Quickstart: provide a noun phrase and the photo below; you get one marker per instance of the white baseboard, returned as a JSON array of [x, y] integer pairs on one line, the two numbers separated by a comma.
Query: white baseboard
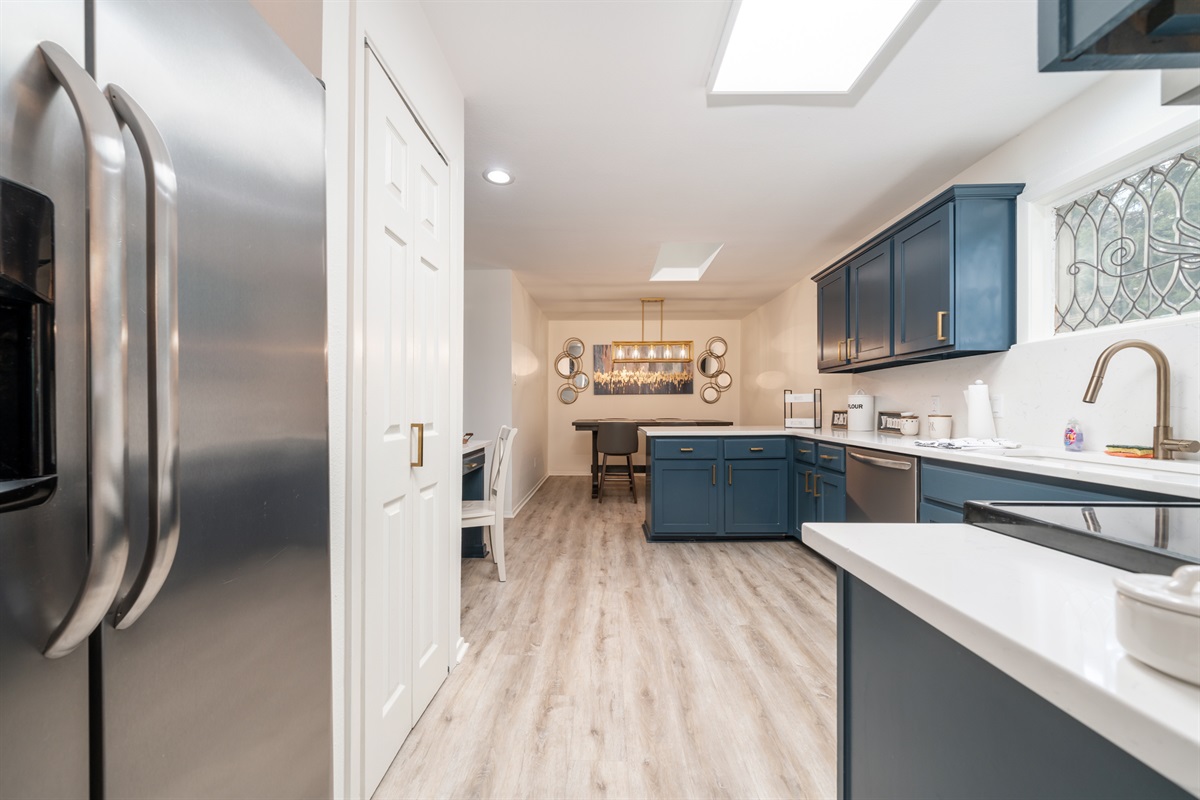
[[526, 498]]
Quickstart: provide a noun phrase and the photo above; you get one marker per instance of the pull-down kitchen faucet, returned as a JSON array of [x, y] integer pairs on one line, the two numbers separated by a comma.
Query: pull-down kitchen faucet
[[1164, 446]]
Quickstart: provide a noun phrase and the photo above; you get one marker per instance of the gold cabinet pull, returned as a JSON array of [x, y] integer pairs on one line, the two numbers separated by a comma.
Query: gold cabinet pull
[[730, 474], [686, 449], [419, 428], [841, 347], [941, 321], [851, 349], [805, 452], [816, 483], [828, 458], [756, 449], [714, 466], [808, 481]]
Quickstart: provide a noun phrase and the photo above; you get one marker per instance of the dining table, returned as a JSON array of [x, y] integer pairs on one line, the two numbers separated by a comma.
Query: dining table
[[593, 425]]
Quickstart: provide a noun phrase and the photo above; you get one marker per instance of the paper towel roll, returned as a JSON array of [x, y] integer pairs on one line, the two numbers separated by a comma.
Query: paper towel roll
[[980, 422], [860, 412]]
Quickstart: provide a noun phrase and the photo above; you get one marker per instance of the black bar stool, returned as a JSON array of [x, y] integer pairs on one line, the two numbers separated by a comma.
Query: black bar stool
[[616, 439]]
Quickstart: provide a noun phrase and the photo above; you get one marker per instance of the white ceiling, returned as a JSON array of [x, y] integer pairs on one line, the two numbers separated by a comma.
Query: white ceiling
[[599, 109]]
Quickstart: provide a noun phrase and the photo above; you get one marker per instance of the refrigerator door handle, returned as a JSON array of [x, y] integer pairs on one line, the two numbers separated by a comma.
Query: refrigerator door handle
[[162, 248], [106, 353]]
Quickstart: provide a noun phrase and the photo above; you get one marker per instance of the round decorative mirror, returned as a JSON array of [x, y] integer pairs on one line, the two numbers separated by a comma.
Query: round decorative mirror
[[567, 393], [580, 381], [709, 365], [717, 346], [573, 347], [723, 380], [566, 366], [709, 393]]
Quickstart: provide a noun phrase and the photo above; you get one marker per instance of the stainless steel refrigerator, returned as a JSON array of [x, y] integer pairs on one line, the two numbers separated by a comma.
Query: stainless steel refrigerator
[[164, 564]]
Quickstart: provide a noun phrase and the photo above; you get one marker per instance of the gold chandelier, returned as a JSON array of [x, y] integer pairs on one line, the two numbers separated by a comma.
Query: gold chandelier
[[654, 352]]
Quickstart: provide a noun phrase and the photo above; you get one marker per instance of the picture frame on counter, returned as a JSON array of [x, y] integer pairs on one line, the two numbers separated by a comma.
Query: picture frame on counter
[[840, 420], [889, 422]]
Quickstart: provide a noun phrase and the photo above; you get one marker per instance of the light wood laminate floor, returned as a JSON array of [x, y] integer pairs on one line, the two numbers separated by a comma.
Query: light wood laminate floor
[[610, 667]]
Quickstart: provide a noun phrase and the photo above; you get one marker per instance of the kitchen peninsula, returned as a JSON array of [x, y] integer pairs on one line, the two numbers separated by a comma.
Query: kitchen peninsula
[[974, 664], [593, 425]]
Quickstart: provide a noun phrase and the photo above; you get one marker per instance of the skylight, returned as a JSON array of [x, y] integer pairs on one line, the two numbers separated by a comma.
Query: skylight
[[684, 261], [793, 46]]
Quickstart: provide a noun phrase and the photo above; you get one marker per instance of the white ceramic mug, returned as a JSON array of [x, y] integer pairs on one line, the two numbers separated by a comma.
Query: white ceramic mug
[[910, 426], [940, 426]]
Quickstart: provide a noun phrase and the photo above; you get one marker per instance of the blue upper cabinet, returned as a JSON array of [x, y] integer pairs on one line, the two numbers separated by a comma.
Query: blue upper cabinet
[[940, 283], [871, 305], [1118, 34], [925, 282], [832, 320]]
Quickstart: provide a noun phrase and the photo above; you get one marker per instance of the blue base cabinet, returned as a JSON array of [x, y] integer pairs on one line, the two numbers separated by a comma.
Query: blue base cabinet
[[717, 487], [818, 484]]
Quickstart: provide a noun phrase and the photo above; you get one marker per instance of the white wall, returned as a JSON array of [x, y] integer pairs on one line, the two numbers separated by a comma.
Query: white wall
[[300, 24], [505, 364], [529, 376], [404, 41], [570, 452], [487, 352], [1113, 128]]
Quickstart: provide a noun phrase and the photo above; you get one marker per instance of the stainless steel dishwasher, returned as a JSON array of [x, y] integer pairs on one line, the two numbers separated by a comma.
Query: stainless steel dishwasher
[[880, 486]]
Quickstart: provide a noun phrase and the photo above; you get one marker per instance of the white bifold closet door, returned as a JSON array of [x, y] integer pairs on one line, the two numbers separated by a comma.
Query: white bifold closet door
[[406, 377]]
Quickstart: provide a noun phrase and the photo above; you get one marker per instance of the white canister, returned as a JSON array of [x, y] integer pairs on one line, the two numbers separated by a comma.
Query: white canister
[[860, 412], [910, 426], [941, 426]]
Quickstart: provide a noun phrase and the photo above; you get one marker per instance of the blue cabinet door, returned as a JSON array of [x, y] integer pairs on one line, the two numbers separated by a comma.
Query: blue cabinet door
[[924, 283], [871, 304], [829, 488], [756, 496], [832, 322], [687, 497], [803, 507]]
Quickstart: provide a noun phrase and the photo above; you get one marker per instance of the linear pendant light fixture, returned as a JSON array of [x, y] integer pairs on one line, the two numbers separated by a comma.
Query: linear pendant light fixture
[[804, 46], [653, 352]]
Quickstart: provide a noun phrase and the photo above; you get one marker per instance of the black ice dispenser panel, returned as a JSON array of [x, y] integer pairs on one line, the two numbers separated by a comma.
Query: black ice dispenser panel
[[27, 474]]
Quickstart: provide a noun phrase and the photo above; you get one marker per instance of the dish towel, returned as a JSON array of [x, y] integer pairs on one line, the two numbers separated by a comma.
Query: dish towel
[[967, 444]]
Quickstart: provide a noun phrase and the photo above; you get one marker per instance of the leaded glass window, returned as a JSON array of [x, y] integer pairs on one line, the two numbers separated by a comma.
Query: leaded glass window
[[1130, 250]]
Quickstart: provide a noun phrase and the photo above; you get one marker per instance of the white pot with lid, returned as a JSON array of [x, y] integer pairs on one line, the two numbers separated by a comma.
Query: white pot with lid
[[1158, 621]]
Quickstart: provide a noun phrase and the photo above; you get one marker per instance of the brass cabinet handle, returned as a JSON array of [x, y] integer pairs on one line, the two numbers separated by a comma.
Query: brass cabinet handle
[[941, 319], [851, 350], [816, 483], [472, 465], [841, 346], [419, 427], [828, 458], [685, 449], [714, 466], [730, 474], [805, 452], [807, 481], [756, 449]]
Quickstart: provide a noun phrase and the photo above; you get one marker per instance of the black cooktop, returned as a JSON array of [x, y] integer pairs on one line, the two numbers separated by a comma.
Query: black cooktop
[[1140, 537]]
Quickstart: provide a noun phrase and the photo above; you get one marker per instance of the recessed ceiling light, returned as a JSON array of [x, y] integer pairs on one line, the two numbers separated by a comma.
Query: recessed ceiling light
[[794, 46], [500, 177]]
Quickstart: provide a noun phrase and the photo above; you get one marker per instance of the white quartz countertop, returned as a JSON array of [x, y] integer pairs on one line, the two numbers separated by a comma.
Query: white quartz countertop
[[475, 444], [1044, 617], [1179, 478]]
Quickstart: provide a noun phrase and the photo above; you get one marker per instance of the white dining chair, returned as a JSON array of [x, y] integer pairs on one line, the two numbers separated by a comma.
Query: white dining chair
[[489, 512]]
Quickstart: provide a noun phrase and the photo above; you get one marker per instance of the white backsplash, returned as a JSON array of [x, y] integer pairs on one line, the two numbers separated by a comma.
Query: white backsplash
[[1042, 384]]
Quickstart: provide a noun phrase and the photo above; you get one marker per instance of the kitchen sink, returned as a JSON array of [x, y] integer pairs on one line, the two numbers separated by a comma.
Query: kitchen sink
[[1066, 459]]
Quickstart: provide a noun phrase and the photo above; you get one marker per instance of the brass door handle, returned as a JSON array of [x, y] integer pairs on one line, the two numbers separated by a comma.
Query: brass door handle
[[808, 481], [816, 483], [714, 466], [685, 449], [756, 449], [419, 427], [941, 320], [730, 466]]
